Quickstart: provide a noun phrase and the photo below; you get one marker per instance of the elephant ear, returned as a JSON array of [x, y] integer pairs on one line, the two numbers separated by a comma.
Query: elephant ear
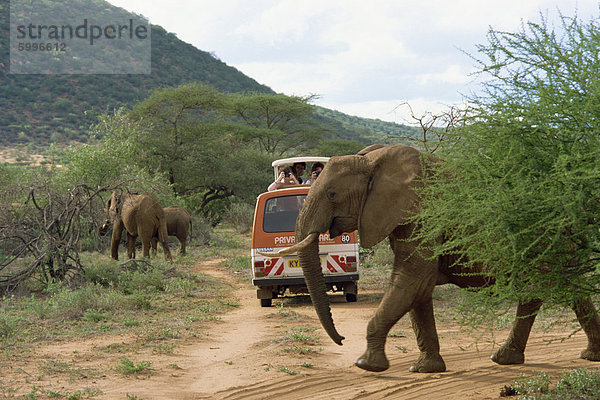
[[113, 203], [391, 196], [369, 149]]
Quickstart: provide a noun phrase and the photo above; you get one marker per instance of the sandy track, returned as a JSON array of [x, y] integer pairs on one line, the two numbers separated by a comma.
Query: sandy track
[[241, 358]]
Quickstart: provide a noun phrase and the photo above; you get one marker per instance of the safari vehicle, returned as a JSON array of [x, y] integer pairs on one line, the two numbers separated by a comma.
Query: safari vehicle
[[274, 222]]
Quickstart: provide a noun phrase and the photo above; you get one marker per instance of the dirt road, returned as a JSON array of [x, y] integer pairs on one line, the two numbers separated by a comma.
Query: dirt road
[[250, 354]]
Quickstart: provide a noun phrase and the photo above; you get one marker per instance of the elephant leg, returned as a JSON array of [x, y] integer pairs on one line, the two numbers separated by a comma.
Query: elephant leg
[[407, 288], [590, 322], [513, 350], [423, 323], [181, 245], [154, 246], [115, 240], [130, 246], [146, 247]]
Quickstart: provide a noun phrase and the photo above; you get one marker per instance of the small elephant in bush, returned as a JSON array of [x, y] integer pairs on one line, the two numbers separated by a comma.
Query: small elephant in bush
[[179, 224]]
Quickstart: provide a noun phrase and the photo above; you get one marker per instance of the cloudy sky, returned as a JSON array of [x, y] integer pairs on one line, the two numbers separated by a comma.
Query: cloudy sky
[[361, 57]]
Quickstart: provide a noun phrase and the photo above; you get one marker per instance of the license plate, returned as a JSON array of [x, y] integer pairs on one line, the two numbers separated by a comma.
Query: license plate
[[296, 263]]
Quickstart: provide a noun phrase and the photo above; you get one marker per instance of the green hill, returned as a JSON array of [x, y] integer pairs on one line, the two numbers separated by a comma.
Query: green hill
[[43, 109], [366, 130]]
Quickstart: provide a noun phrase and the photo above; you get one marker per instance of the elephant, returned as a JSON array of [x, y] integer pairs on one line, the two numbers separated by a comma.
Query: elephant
[[376, 192], [141, 215], [179, 224]]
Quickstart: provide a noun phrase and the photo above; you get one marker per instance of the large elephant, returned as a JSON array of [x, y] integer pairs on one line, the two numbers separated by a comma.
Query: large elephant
[[141, 215], [374, 192], [179, 224]]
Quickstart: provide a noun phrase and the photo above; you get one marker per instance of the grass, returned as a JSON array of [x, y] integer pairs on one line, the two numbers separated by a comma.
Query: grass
[[157, 306], [375, 267], [239, 266], [128, 367], [578, 384], [110, 299], [300, 340], [288, 371], [54, 367]]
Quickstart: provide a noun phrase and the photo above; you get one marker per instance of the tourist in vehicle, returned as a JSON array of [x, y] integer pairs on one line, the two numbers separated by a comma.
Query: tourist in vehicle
[[298, 169], [286, 177], [315, 171]]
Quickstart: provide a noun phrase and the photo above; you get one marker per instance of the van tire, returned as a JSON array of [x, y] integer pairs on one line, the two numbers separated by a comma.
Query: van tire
[[266, 302], [351, 297]]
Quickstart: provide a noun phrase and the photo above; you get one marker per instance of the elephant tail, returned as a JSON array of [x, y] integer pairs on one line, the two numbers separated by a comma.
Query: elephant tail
[[162, 230], [189, 238]]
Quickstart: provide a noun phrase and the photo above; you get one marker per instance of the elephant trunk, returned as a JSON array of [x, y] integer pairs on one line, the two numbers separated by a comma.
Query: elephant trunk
[[313, 275]]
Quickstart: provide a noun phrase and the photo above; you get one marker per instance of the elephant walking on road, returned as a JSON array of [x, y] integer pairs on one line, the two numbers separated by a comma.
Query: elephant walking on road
[[179, 224], [375, 192], [140, 215]]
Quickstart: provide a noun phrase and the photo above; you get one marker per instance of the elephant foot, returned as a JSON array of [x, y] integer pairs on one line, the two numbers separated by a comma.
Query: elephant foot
[[428, 363], [507, 355], [590, 355], [373, 360]]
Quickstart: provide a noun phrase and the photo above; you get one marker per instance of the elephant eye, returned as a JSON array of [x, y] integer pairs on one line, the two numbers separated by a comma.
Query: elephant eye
[[330, 194]]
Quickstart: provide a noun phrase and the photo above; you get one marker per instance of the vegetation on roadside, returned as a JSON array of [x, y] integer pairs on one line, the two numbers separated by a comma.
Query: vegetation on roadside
[[157, 302], [517, 191], [580, 384]]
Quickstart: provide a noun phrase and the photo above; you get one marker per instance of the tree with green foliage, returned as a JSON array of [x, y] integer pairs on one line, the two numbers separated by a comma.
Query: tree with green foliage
[[111, 159], [283, 123], [175, 118], [190, 137], [337, 147], [519, 187]]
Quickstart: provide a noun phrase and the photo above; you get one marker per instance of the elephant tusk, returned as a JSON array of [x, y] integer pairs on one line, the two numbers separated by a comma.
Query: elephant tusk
[[289, 250]]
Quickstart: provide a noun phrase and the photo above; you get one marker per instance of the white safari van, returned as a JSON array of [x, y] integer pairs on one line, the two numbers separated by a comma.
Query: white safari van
[[273, 229]]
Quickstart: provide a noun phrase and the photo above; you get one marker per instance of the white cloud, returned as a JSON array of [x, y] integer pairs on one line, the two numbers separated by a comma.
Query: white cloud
[[452, 74], [360, 56], [400, 111]]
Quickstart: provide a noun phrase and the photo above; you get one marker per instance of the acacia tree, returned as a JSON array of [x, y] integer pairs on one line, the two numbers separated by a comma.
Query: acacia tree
[[519, 188], [213, 145], [172, 116], [283, 123]]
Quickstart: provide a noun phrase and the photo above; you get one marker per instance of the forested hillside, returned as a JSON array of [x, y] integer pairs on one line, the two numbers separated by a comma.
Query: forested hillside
[[43, 109], [51, 108], [366, 130]]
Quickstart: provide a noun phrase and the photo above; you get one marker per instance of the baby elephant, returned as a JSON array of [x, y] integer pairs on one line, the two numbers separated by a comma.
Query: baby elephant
[[179, 224]]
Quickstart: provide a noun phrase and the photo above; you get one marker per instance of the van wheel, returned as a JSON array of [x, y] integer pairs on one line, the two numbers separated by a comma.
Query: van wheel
[[266, 302], [350, 297]]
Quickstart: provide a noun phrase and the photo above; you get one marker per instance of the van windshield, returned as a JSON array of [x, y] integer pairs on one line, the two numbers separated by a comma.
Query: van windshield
[[281, 213]]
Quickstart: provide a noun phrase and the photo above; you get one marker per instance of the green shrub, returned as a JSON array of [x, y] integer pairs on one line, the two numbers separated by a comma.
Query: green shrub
[[9, 325], [579, 384], [103, 274], [73, 304], [240, 216], [153, 280], [376, 265], [141, 300], [128, 367], [532, 385], [202, 231]]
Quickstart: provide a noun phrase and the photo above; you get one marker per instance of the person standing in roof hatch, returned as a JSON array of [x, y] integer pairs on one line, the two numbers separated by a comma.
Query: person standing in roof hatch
[[285, 178], [315, 171], [298, 169]]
